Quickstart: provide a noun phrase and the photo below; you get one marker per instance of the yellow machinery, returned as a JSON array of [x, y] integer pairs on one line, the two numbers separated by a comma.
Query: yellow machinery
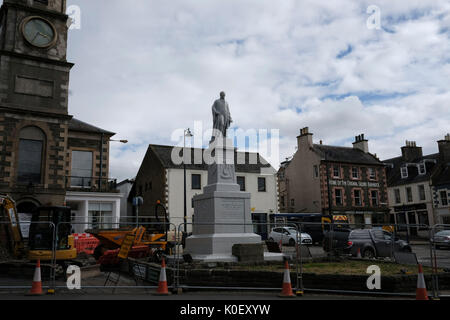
[[42, 233], [11, 228]]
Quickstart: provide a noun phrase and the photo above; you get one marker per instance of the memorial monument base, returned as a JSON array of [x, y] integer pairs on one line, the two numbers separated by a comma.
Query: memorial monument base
[[222, 215]]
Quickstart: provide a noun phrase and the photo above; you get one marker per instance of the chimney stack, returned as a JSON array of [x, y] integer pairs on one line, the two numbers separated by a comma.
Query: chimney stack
[[361, 143], [305, 140], [411, 151], [444, 149]]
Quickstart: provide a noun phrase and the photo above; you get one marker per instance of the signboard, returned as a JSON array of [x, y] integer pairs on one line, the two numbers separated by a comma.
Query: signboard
[[126, 246], [354, 183]]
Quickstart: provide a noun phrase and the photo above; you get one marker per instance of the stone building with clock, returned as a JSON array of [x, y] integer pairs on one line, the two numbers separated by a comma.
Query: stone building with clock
[[46, 156]]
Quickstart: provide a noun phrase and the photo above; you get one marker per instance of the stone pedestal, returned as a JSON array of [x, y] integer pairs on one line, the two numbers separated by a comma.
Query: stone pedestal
[[222, 215]]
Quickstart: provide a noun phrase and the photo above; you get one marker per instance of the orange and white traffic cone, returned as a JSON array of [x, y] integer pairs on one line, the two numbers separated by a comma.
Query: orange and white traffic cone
[[358, 255], [162, 286], [287, 287], [36, 287], [421, 291]]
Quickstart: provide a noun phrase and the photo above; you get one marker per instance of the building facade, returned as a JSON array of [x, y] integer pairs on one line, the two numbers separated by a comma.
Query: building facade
[[126, 208], [159, 179], [410, 188], [441, 184], [45, 154], [334, 180]]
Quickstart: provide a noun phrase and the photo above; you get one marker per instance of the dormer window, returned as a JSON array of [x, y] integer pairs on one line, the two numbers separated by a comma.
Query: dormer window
[[422, 168], [404, 172]]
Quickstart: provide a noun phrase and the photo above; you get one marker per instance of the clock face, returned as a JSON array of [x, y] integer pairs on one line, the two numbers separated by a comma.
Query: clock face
[[39, 32]]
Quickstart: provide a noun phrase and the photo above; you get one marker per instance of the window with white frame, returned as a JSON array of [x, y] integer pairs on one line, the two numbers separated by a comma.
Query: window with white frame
[[422, 168], [372, 174], [81, 169], [338, 197], [374, 197], [357, 197], [421, 189], [336, 171], [316, 171], [404, 172], [355, 173], [101, 216], [398, 198], [409, 195], [444, 199]]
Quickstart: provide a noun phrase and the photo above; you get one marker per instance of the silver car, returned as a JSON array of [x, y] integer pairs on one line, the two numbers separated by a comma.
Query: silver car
[[441, 239], [289, 236]]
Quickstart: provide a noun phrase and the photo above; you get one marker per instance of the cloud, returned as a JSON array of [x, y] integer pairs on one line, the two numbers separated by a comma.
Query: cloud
[[146, 68]]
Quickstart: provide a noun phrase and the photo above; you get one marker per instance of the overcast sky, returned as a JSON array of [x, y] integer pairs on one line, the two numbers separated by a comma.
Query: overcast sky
[[144, 68]]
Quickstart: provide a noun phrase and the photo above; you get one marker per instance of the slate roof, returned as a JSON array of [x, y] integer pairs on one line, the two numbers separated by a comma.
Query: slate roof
[[345, 155], [394, 177], [164, 153], [443, 177], [78, 125]]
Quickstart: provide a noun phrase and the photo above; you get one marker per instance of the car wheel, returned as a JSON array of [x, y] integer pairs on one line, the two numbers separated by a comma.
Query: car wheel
[[368, 254], [271, 240], [291, 242], [407, 250]]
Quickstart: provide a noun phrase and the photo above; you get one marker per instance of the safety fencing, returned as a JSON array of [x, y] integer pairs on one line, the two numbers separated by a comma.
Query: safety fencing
[[12, 271], [333, 258]]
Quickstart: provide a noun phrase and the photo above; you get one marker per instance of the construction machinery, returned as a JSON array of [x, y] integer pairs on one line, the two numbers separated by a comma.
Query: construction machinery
[[42, 233], [150, 241]]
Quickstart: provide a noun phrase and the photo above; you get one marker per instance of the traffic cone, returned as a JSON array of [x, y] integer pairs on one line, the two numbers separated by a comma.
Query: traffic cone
[[36, 287], [162, 286], [287, 287], [358, 255], [421, 291]]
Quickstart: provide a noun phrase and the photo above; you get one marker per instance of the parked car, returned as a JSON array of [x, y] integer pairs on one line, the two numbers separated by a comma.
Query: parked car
[[441, 239], [336, 239], [375, 243], [289, 236]]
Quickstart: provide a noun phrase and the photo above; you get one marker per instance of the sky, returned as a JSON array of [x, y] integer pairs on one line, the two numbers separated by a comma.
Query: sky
[[147, 68]]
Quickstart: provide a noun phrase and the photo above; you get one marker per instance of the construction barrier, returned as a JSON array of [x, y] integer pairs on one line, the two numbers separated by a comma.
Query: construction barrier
[[85, 242], [348, 263]]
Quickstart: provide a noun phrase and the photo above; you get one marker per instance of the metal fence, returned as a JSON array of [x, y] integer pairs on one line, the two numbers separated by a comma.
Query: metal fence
[[52, 265], [323, 258]]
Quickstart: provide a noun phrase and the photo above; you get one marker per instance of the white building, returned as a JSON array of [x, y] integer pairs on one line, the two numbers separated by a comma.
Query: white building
[[126, 208], [159, 179]]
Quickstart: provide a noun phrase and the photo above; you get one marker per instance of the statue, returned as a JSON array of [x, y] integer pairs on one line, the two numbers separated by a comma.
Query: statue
[[221, 117]]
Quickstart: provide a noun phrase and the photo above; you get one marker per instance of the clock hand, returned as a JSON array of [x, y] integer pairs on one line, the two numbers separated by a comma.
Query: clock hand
[[44, 35], [37, 33]]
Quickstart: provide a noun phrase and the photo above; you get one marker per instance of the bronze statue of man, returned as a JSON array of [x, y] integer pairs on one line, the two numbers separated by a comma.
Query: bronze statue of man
[[221, 117]]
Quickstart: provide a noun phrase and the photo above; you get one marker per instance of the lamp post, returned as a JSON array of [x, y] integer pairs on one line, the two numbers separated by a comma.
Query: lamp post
[[101, 157], [187, 133]]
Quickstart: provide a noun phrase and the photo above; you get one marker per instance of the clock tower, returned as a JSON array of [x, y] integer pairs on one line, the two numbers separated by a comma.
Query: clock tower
[[34, 84]]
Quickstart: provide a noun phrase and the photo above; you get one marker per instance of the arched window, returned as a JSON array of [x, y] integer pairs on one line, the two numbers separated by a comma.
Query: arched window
[[31, 149]]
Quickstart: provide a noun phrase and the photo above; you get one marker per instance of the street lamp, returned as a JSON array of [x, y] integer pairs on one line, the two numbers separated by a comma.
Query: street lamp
[[101, 158], [187, 133]]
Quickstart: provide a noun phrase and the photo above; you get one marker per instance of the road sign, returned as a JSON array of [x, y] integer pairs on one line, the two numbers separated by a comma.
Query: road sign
[[126, 246]]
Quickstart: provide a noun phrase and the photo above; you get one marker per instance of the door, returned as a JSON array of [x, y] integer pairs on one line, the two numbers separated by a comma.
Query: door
[[383, 244], [412, 221], [286, 236], [276, 234]]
